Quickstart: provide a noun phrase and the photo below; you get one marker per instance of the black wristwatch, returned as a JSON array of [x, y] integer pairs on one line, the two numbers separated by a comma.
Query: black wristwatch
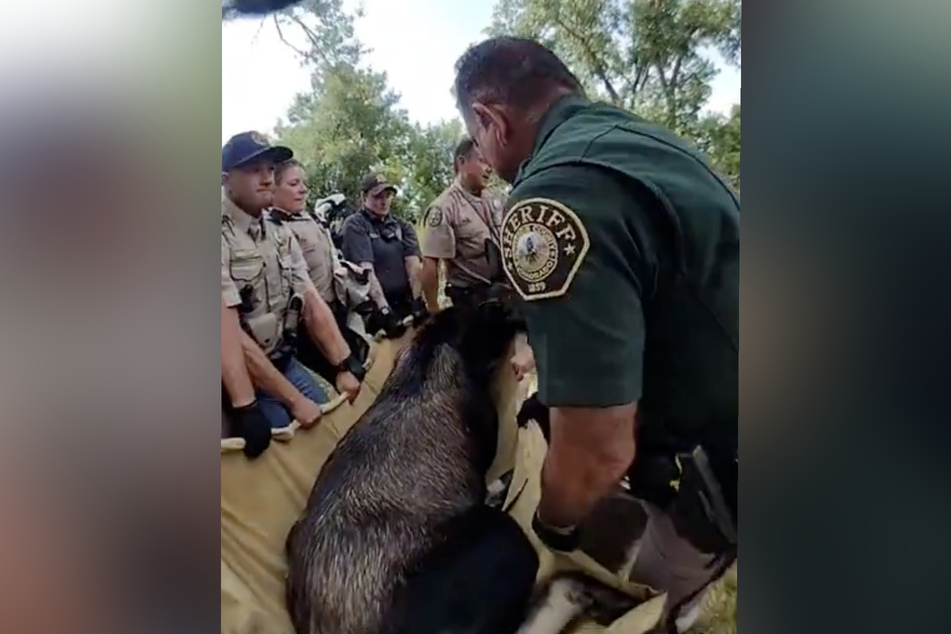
[[560, 540], [352, 365]]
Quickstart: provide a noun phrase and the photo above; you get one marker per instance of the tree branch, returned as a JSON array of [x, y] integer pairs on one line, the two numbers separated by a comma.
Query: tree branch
[[641, 73], [280, 34], [316, 53], [598, 67]]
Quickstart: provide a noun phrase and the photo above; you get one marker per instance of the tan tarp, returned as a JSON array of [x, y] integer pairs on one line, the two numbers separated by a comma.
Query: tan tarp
[[261, 499]]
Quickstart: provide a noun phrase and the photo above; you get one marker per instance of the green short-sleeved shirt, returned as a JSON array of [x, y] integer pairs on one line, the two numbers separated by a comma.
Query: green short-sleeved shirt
[[624, 246]]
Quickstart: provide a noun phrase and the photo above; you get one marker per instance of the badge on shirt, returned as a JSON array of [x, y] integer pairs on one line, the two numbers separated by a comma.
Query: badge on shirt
[[543, 246], [434, 217]]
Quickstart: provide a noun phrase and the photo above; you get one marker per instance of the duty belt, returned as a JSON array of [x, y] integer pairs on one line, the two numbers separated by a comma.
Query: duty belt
[[685, 486]]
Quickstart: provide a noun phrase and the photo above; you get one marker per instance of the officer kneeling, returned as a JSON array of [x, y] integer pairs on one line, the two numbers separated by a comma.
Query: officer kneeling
[[264, 279]]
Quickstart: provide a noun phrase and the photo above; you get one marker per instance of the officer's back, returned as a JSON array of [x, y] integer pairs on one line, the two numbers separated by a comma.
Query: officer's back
[[684, 254]]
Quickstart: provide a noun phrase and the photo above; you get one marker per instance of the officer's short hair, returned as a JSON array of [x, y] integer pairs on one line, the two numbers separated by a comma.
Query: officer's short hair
[[514, 71], [282, 167], [463, 150]]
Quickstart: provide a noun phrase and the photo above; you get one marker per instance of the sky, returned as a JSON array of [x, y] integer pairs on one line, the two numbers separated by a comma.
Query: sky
[[416, 42]]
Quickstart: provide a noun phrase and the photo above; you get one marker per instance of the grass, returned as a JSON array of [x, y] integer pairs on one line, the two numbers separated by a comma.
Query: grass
[[719, 610]]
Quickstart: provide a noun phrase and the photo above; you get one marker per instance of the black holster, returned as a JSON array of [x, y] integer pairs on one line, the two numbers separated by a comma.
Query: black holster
[[281, 356], [685, 486]]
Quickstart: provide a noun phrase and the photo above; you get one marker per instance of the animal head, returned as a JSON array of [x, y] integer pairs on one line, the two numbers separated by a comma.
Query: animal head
[[480, 333]]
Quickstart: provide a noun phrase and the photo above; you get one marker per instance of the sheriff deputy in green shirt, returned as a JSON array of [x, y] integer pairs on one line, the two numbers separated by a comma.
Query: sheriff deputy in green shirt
[[624, 246]]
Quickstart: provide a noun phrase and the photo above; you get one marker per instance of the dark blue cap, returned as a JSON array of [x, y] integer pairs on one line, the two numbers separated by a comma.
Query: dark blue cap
[[246, 147]]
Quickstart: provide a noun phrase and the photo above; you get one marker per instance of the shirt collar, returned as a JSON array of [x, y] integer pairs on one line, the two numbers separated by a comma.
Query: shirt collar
[[465, 192], [284, 214], [241, 219], [372, 217], [559, 112]]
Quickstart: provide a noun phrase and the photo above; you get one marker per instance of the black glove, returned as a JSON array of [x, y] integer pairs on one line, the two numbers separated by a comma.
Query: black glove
[[249, 423], [352, 365], [387, 321], [418, 311], [533, 409]]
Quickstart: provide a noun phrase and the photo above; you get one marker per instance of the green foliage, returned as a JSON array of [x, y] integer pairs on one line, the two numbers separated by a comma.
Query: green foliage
[[654, 57], [651, 56], [351, 123], [719, 137]]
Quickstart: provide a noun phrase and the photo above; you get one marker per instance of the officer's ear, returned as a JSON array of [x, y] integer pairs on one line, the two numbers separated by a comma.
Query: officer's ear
[[224, 179], [494, 119]]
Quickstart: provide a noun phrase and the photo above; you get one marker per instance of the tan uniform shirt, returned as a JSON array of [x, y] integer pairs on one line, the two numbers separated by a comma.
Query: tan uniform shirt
[[317, 248], [456, 226], [261, 259]]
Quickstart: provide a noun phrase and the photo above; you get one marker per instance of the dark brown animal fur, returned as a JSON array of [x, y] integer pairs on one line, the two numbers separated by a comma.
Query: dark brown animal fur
[[415, 462]]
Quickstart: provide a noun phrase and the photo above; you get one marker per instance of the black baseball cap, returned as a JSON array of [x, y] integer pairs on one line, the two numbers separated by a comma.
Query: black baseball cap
[[373, 184], [245, 147]]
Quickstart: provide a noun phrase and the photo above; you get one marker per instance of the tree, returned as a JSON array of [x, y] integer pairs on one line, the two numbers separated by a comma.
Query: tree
[[637, 54], [654, 57], [351, 126], [427, 163], [719, 137], [350, 122]]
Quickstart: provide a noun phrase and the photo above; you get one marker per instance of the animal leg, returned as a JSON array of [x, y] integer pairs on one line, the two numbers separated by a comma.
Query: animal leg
[[479, 581], [570, 597]]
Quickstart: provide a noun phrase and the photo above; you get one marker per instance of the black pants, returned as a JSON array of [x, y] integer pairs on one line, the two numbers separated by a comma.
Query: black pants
[[399, 302], [310, 355], [472, 295]]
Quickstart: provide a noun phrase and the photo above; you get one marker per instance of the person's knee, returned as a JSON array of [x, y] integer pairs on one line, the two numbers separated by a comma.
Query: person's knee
[[305, 382]]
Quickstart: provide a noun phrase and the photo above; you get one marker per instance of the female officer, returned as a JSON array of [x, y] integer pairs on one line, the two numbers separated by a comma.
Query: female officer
[[329, 274]]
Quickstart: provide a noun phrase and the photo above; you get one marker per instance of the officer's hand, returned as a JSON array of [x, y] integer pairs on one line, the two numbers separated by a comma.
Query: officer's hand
[[348, 384], [249, 423], [523, 361], [533, 409], [418, 311], [306, 412]]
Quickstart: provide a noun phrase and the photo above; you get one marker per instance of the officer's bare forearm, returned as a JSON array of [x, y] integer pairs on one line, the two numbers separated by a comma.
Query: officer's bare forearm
[[234, 371], [413, 266], [265, 376], [521, 343], [590, 451], [376, 290], [429, 280]]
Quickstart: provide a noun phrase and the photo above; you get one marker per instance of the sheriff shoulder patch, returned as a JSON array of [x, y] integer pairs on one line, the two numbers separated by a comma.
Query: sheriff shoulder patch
[[434, 217], [543, 246]]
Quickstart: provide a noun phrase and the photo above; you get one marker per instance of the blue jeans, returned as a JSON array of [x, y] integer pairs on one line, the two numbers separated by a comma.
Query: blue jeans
[[276, 412]]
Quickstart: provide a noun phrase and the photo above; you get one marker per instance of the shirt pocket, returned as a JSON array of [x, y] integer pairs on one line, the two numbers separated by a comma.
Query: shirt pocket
[[247, 266], [284, 275], [470, 238], [314, 256], [247, 272]]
